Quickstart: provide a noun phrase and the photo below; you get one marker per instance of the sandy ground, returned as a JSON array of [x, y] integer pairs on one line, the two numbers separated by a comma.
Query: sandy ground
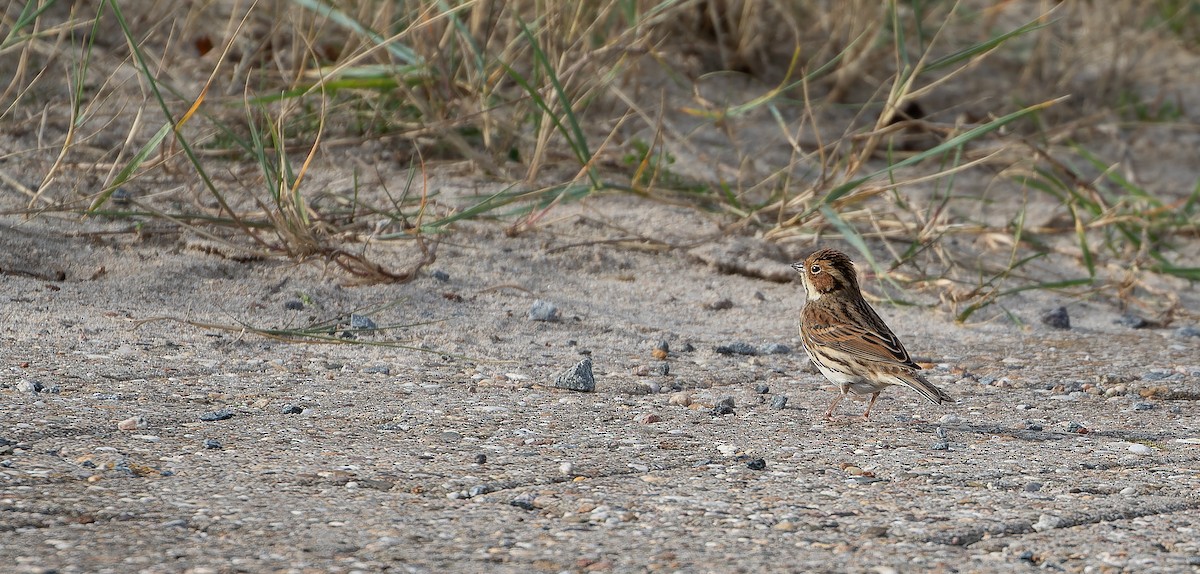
[[1073, 450]]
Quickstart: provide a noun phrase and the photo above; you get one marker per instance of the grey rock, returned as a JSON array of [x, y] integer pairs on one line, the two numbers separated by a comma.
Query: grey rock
[[756, 464], [220, 415], [661, 368], [736, 348], [361, 322], [723, 406], [28, 386], [378, 370], [440, 275], [662, 346], [543, 311], [1142, 406], [779, 402], [577, 378], [1057, 318], [762, 389], [1187, 331], [290, 409], [1132, 321], [775, 349], [212, 444], [293, 305], [479, 490]]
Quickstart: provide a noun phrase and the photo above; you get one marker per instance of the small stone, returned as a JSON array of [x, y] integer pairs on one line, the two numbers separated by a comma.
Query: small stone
[[566, 469], [524, 502], [479, 490], [1046, 522], [133, 423], [1132, 321], [762, 389], [28, 386], [779, 402], [852, 470], [688, 348], [361, 322], [723, 406], [220, 415], [212, 444], [1140, 449], [577, 378], [293, 305], [756, 464], [736, 348], [1032, 486], [1157, 375], [784, 526], [291, 409], [1143, 406], [649, 418], [1187, 331], [378, 370], [440, 275], [721, 305], [1057, 318], [543, 311], [1033, 426], [481, 458], [661, 368], [682, 398], [775, 349]]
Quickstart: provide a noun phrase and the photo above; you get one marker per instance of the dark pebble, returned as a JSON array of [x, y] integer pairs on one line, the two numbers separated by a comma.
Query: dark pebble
[[440, 275], [1057, 318], [762, 389], [1033, 486], [1143, 406], [723, 406], [220, 415], [212, 444], [378, 370], [1132, 321], [106, 396], [30, 386], [361, 322], [479, 490], [1027, 556], [721, 305], [577, 378], [543, 311], [662, 346], [756, 464], [481, 459], [776, 349], [1187, 331], [687, 348], [661, 368], [1033, 426], [779, 402], [524, 502], [1157, 375], [942, 443], [293, 304], [291, 410], [1075, 427], [736, 348]]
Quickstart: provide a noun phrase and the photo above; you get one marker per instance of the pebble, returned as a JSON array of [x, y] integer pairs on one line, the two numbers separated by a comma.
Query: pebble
[[650, 418], [779, 402], [543, 311], [661, 368], [566, 469], [1140, 449], [1187, 331], [1057, 318], [723, 406], [1143, 406], [1033, 426], [1047, 522], [756, 464], [682, 398], [721, 305], [942, 442], [133, 423], [726, 449], [293, 305], [688, 348], [577, 378], [223, 414], [1032, 486], [762, 389], [378, 370], [1116, 391], [481, 459], [440, 275], [28, 386], [291, 409], [775, 349], [1132, 321], [1157, 375], [736, 348], [361, 322], [478, 490], [524, 502], [212, 444]]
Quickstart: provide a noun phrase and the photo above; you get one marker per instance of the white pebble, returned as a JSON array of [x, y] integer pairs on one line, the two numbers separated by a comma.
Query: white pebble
[[566, 469], [1140, 449]]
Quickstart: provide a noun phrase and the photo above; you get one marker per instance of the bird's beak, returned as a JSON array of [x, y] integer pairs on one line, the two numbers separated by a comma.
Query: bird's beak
[[798, 266]]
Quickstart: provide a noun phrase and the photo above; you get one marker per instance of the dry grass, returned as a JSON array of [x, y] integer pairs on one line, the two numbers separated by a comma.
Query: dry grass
[[871, 115]]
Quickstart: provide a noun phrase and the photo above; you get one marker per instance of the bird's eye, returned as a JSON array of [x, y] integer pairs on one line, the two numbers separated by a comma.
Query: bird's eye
[[814, 269]]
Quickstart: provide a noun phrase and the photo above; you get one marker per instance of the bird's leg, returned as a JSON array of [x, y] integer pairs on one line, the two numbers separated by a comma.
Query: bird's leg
[[867, 415], [836, 400]]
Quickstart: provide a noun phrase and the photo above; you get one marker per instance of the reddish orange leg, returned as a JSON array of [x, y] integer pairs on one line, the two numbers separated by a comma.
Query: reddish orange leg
[[867, 415], [833, 405]]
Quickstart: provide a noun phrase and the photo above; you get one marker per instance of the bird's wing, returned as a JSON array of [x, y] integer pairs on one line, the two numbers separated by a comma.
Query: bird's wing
[[867, 344]]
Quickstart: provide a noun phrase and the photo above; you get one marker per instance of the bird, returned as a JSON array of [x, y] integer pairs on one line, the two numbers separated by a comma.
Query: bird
[[847, 340]]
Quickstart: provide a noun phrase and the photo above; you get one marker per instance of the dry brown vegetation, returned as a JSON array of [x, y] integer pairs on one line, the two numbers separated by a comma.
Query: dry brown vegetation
[[921, 133]]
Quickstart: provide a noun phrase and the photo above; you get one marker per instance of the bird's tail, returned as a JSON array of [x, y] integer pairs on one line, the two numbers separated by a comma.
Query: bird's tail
[[916, 382]]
